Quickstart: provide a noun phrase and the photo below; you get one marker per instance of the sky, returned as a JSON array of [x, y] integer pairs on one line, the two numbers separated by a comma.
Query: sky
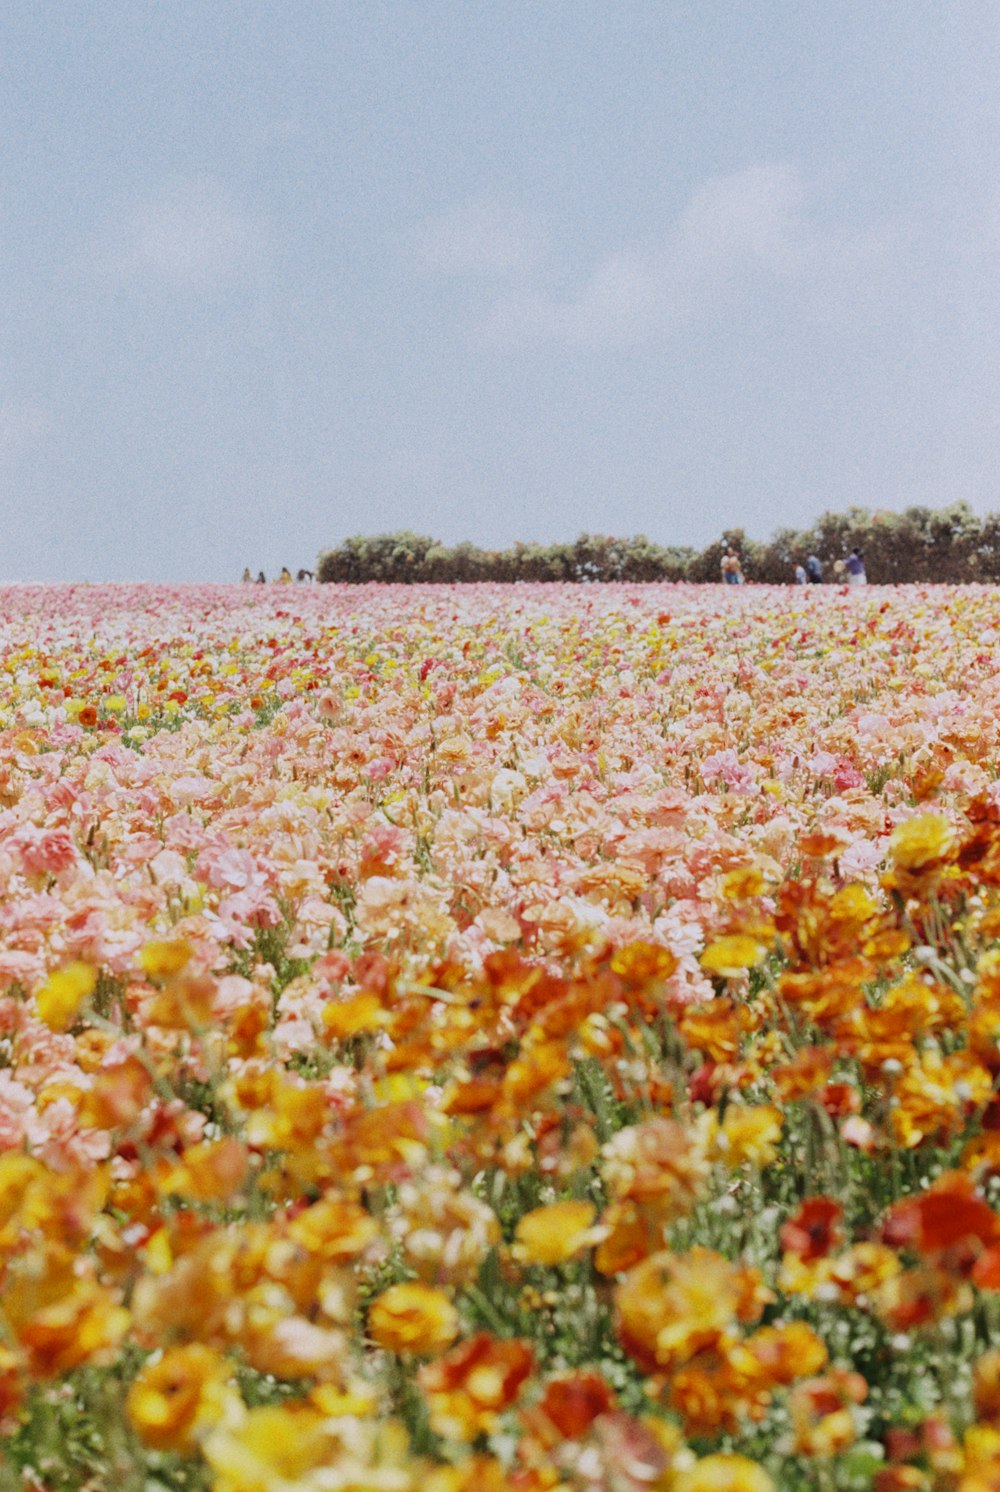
[[277, 274]]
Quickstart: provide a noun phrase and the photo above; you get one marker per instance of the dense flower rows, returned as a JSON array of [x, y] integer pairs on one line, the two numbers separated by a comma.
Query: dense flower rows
[[527, 1038]]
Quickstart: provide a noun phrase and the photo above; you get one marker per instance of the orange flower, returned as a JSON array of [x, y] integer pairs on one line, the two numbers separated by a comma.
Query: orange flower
[[553, 1234], [935, 1096], [813, 1231], [363, 1011], [335, 1229], [413, 1319], [827, 995], [468, 1389], [296, 1114], [178, 1396], [119, 1094], [745, 881], [674, 1305], [570, 1404], [716, 1029], [818, 844], [947, 1215], [807, 1073], [658, 1163], [210, 1172], [916, 1297], [821, 1409], [59, 1313], [787, 1352], [986, 1386], [863, 1269], [642, 963], [12, 1385], [719, 1391], [531, 1074]]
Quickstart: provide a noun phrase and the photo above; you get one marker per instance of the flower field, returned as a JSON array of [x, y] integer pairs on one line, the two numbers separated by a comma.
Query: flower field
[[471, 1039]]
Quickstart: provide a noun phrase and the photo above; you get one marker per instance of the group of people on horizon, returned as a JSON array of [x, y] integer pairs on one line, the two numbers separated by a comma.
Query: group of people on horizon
[[851, 569], [285, 577]]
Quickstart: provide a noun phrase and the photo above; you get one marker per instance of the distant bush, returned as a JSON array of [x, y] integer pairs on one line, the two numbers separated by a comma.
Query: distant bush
[[408, 558], [921, 544]]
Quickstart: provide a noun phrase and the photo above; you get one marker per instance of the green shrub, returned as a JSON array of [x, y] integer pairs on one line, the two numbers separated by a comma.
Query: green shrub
[[949, 545]]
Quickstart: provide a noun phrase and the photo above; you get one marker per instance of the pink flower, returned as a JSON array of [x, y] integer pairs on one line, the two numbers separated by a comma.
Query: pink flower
[[44, 851]]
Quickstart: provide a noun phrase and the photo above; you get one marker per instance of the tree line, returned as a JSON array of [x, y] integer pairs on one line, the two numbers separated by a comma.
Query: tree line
[[950, 545]]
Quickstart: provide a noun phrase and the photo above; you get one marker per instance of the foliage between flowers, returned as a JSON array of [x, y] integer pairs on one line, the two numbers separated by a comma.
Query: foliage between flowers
[[918, 545], [506, 1039]]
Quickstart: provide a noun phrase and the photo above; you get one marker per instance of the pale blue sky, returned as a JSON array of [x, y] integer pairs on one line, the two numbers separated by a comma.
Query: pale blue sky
[[274, 274]]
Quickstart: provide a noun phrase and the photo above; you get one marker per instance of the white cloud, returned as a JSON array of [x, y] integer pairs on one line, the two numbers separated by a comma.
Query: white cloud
[[753, 217], [735, 234], [480, 236], [190, 233]]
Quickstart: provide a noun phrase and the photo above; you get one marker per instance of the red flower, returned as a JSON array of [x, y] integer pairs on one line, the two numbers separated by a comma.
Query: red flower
[[813, 1231]]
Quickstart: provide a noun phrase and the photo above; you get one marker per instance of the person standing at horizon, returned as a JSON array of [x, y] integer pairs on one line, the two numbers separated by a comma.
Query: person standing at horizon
[[855, 567]]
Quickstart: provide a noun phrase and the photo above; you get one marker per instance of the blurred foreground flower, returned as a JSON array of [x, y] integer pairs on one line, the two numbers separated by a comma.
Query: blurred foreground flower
[[413, 1318], [552, 1234], [60, 998], [180, 1395]]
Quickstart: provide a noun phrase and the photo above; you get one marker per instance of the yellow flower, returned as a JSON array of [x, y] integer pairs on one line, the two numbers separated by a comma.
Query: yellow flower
[[672, 1306], [724, 1474], [744, 881], [59, 1313], [163, 958], [361, 1012], [211, 1171], [19, 1174], [358, 1400], [731, 955], [749, 1133], [553, 1234], [60, 997], [301, 1448], [334, 1228], [276, 1446], [921, 844], [178, 1396], [413, 1318]]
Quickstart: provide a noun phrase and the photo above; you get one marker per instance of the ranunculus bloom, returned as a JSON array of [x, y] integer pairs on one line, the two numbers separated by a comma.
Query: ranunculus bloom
[[922, 843], [724, 1474], [178, 1396], [413, 1318], [553, 1234]]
